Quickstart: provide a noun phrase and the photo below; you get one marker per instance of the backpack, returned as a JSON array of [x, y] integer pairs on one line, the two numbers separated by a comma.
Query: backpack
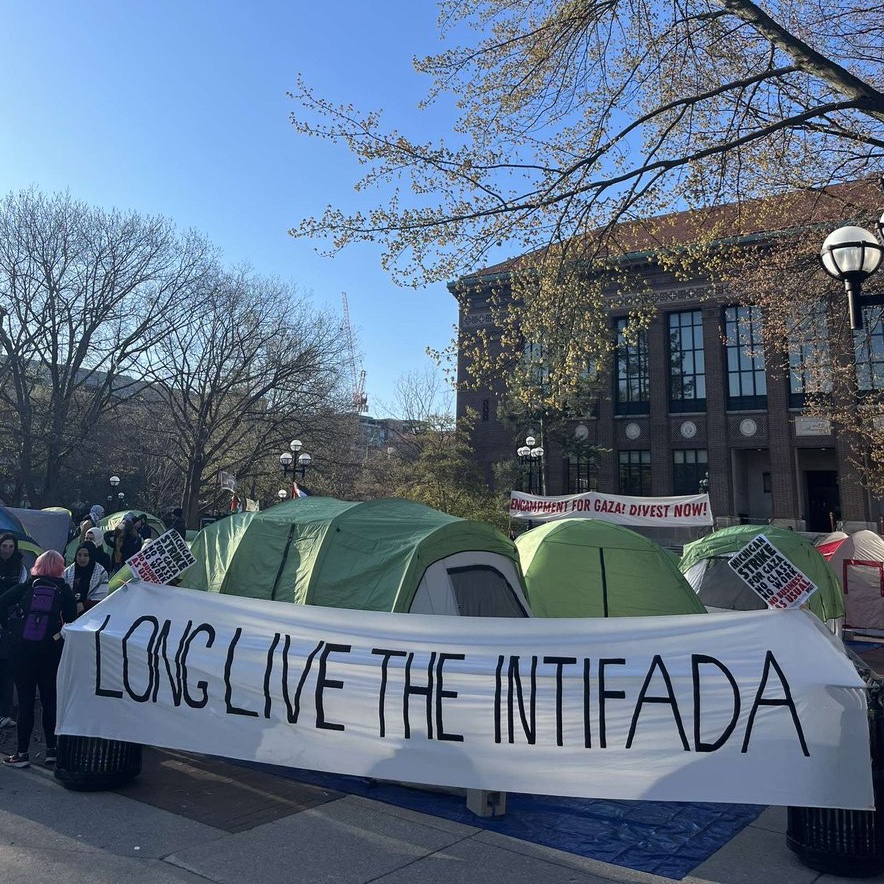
[[41, 613]]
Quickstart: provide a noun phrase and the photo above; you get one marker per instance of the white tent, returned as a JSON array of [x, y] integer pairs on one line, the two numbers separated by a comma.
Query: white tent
[[859, 565]]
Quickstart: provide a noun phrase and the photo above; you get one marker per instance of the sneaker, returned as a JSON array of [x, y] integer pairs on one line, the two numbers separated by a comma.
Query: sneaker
[[20, 759], [6, 721], [50, 755]]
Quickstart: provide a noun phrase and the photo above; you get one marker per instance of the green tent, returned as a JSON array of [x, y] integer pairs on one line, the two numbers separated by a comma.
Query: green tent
[[381, 555], [591, 568], [704, 564]]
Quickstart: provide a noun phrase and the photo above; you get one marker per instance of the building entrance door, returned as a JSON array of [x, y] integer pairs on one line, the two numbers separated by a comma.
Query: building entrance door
[[823, 500]]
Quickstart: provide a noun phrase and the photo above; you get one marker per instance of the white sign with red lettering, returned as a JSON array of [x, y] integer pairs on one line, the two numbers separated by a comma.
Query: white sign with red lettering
[[163, 559], [690, 510], [770, 574]]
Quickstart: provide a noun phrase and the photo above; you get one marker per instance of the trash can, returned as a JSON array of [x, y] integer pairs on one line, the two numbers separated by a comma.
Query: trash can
[[91, 764], [849, 843]]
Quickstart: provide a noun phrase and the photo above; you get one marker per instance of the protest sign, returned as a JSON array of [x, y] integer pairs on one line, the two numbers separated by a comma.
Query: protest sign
[[748, 707], [163, 559], [771, 575]]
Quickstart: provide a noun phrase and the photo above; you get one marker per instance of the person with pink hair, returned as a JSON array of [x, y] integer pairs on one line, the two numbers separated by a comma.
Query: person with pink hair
[[34, 612]]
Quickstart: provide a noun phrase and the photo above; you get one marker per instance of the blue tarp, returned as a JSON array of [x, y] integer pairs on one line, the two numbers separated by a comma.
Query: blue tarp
[[9, 522], [661, 837]]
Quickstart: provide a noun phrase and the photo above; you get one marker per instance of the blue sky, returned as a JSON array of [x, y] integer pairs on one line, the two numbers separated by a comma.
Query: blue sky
[[179, 109]]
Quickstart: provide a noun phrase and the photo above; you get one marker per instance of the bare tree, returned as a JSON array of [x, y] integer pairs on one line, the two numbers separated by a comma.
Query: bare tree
[[253, 362], [83, 294]]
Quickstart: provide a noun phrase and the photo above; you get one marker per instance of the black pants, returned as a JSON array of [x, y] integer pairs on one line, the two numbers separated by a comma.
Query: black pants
[[6, 690], [33, 670]]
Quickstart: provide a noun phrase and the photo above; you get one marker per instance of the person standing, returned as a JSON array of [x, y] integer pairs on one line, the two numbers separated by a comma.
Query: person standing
[[95, 537], [87, 578], [45, 603], [12, 572], [142, 528], [12, 568], [178, 523], [124, 542], [93, 520]]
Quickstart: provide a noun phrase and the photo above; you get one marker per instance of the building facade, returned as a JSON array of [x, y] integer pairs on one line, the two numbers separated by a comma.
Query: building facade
[[698, 402]]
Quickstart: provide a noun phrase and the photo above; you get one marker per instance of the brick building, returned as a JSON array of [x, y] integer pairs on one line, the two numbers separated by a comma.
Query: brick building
[[693, 404]]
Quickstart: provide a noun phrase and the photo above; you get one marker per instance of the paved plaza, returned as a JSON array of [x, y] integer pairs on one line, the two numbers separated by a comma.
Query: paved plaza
[[193, 820]]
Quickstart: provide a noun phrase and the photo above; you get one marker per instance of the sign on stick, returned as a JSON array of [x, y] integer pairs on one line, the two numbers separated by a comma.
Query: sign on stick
[[770, 574], [163, 560]]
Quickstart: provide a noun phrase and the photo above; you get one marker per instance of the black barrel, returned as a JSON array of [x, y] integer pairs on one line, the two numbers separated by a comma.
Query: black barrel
[[91, 764], [849, 843]]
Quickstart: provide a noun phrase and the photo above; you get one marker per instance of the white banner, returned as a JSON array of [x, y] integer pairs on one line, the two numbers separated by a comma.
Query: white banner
[[754, 707], [771, 575], [690, 511]]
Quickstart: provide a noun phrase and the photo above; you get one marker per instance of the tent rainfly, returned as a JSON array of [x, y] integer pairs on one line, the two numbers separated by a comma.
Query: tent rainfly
[[828, 544], [380, 555], [591, 568], [704, 564]]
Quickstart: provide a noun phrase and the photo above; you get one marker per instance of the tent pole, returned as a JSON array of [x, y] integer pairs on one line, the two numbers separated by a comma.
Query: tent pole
[[604, 583]]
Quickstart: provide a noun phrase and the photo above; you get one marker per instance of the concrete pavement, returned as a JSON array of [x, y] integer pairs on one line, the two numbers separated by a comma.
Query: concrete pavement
[[291, 833]]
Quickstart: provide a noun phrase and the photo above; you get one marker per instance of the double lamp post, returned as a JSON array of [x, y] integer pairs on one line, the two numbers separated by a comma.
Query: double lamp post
[[295, 460], [530, 454], [121, 495]]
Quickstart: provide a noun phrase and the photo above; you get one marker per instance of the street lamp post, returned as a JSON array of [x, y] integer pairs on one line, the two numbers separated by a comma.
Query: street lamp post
[[282, 494], [297, 461], [529, 454], [114, 483], [851, 255]]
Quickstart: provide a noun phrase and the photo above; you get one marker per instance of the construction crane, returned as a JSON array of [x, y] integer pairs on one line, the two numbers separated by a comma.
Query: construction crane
[[357, 375]]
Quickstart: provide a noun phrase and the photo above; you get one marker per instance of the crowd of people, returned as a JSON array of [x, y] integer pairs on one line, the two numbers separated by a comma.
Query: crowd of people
[[35, 604]]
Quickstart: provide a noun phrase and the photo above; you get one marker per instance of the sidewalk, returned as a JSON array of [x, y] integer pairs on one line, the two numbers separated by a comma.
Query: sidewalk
[[191, 819]]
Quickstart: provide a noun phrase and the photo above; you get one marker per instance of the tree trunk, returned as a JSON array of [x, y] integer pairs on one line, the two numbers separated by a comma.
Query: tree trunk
[[190, 503]]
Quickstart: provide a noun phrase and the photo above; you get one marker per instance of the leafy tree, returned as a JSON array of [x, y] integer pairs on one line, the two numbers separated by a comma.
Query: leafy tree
[[840, 372], [577, 115], [430, 460], [84, 293]]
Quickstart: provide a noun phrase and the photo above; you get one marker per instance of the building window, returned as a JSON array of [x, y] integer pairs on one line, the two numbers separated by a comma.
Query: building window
[[687, 369], [486, 409], [631, 394], [810, 367], [746, 381], [688, 468], [635, 473], [869, 345], [534, 365], [581, 474]]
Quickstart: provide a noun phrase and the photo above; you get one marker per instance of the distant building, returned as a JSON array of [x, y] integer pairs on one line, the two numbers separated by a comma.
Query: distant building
[[689, 406], [385, 434]]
